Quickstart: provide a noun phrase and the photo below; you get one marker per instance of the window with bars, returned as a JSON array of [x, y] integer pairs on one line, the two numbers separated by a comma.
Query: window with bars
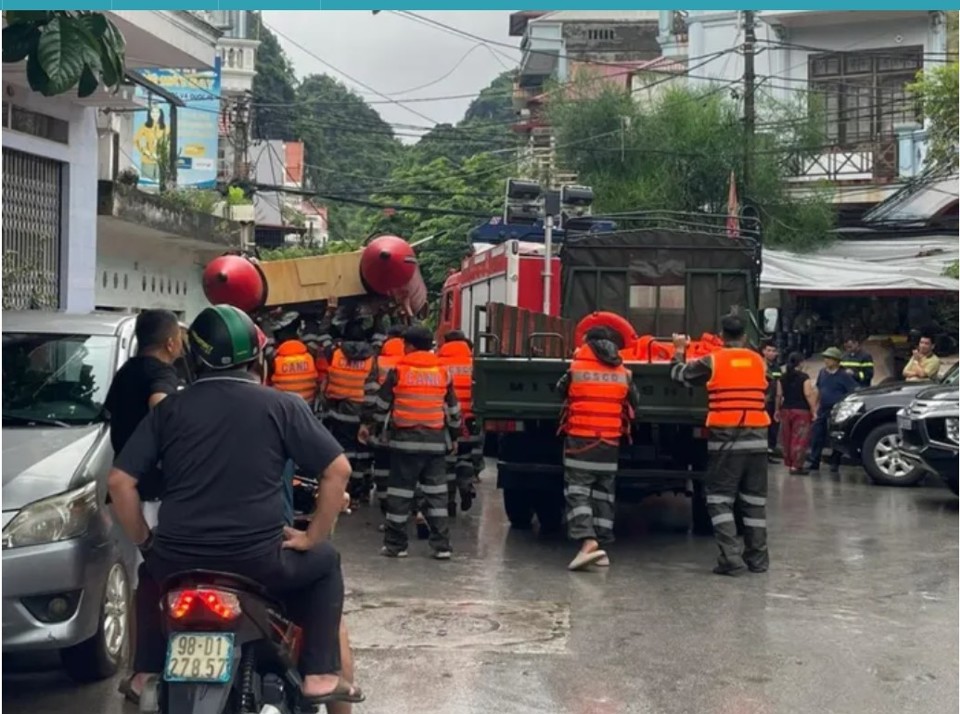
[[862, 95]]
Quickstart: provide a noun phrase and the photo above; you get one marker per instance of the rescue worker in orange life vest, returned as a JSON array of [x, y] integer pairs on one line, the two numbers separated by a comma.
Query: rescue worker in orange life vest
[[348, 395], [736, 382], [600, 400], [456, 354], [424, 424], [390, 354], [291, 368]]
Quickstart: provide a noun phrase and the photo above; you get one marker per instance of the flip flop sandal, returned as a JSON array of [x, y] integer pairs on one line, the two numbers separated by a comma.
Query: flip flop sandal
[[582, 560], [343, 692], [604, 562], [126, 689]]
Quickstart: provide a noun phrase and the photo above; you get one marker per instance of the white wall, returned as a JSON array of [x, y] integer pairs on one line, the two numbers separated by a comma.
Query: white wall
[[79, 231], [127, 262]]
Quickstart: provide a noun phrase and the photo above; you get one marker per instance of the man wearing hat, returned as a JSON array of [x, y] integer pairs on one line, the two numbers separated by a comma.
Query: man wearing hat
[[833, 384]]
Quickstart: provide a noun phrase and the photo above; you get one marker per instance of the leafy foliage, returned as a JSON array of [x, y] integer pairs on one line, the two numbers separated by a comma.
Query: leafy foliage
[[65, 49], [274, 90], [938, 90], [677, 154]]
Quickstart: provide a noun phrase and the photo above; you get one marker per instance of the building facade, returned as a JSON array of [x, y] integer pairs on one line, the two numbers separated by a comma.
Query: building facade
[[851, 69], [615, 47]]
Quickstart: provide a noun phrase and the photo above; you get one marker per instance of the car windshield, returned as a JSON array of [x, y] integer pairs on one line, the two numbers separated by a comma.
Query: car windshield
[[951, 376], [55, 379]]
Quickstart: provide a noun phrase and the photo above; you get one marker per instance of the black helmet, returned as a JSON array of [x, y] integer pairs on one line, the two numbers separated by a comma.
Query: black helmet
[[222, 337]]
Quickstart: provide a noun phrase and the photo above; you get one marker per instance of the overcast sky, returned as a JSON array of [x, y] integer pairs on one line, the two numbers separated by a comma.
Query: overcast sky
[[392, 53]]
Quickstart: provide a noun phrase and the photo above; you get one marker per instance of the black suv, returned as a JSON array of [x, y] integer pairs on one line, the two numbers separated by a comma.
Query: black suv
[[930, 432], [863, 426]]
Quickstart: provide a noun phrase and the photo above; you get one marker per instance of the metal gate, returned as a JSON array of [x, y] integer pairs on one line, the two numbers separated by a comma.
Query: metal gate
[[32, 214]]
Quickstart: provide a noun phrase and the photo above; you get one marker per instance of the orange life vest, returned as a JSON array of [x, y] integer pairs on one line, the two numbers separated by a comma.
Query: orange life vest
[[737, 389], [596, 399], [294, 371], [346, 378], [390, 354], [458, 359], [420, 392]]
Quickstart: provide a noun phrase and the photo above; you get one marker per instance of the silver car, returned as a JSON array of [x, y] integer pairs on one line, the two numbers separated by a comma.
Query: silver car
[[67, 568]]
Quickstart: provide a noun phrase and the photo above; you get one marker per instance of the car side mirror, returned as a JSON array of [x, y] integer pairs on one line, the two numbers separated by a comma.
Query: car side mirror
[[771, 320]]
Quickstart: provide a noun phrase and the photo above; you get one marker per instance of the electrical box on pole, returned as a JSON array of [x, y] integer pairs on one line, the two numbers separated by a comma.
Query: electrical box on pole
[[575, 203]]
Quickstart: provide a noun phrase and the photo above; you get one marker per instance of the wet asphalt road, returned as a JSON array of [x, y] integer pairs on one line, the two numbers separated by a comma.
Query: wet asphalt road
[[859, 613]]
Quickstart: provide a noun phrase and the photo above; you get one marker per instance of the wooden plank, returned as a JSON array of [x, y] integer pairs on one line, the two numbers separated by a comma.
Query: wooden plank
[[316, 278]]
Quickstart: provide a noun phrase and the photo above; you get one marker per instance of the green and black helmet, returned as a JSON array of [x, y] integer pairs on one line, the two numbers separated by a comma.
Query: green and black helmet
[[223, 337]]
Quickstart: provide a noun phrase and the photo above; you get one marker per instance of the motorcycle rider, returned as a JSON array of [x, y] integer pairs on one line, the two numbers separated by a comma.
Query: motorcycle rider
[[224, 443]]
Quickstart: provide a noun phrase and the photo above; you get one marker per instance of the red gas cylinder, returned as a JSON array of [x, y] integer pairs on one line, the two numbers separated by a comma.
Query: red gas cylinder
[[387, 264], [234, 280]]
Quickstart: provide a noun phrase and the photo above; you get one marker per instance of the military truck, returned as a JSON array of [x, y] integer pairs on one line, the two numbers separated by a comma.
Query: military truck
[[663, 280]]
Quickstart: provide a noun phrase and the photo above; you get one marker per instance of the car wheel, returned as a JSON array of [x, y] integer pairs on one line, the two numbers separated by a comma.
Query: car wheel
[[549, 509], [882, 459], [101, 656], [702, 525], [519, 507]]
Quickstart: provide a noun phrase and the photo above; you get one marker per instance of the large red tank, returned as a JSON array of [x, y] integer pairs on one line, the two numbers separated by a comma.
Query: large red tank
[[387, 267], [234, 280]]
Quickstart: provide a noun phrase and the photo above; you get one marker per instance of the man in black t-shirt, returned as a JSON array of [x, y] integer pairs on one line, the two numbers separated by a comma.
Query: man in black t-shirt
[[144, 381], [224, 442]]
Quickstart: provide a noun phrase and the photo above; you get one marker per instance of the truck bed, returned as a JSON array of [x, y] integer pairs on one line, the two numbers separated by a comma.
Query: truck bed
[[524, 388]]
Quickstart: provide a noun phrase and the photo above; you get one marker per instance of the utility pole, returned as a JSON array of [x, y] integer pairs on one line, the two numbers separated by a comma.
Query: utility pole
[[749, 103], [241, 138]]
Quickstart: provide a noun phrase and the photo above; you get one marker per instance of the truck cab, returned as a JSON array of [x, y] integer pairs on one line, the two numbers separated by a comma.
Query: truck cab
[[662, 281]]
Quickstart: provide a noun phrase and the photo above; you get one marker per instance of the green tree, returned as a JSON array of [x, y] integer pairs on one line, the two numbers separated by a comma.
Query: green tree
[[65, 49], [677, 155], [470, 192], [938, 90], [274, 90]]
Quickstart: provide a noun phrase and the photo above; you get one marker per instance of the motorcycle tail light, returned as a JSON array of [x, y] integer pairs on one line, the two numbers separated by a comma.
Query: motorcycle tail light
[[184, 603]]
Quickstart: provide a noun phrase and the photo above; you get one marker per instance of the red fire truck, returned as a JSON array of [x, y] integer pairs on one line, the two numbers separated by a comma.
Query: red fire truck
[[510, 273]]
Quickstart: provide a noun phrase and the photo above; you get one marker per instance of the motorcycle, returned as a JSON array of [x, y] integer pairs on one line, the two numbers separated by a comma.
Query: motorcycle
[[230, 647]]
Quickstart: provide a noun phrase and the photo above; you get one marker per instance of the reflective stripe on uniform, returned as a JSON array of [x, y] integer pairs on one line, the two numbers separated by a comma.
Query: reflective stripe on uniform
[[603, 523], [719, 499], [394, 518], [755, 522], [400, 492], [602, 496], [437, 512], [419, 447], [751, 444], [347, 418], [579, 511], [433, 489], [580, 490], [753, 500], [722, 518], [605, 467]]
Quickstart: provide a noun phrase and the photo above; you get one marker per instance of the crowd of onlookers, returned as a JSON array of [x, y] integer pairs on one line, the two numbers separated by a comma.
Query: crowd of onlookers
[[800, 405]]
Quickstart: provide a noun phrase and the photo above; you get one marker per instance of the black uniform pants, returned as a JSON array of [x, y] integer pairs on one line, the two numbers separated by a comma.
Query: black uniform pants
[[773, 431], [407, 471], [738, 480], [819, 438], [381, 474], [460, 468], [310, 584], [590, 471], [345, 433]]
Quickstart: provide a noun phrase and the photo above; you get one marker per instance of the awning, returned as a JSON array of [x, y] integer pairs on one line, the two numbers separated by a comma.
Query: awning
[[888, 267]]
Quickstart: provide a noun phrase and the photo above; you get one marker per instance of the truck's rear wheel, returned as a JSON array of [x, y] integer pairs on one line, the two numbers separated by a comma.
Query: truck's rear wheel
[[698, 506], [519, 507], [549, 509]]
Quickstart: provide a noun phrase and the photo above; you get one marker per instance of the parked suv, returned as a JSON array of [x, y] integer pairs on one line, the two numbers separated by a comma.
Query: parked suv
[[930, 432], [864, 427]]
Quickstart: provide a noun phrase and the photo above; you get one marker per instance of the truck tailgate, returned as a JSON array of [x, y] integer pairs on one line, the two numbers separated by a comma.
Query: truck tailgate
[[522, 388]]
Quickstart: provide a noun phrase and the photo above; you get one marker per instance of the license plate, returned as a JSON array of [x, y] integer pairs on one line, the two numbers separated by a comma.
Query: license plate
[[199, 657], [903, 423]]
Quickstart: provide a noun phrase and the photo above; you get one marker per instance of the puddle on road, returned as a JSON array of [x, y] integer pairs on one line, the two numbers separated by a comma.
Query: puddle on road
[[519, 627]]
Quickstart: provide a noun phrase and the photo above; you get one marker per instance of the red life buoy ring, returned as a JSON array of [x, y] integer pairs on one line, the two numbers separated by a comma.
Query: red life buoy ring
[[605, 319]]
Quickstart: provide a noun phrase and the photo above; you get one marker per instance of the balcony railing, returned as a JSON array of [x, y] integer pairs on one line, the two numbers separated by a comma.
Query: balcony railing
[[874, 161]]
